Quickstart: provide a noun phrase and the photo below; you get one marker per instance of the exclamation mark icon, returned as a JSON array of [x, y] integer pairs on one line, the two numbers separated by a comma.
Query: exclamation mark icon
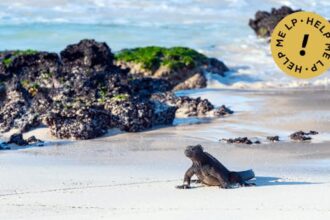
[[304, 44]]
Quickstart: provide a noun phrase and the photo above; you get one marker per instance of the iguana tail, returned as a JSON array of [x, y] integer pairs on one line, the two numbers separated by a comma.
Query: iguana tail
[[246, 175]]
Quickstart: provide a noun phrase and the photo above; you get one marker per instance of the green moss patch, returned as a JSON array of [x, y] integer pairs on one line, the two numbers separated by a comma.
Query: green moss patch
[[8, 61], [24, 52], [120, 97], [151, 58], [102, 93]]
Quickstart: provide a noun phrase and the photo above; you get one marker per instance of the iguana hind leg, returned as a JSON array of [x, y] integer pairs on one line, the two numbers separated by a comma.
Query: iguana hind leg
[[235, 178]]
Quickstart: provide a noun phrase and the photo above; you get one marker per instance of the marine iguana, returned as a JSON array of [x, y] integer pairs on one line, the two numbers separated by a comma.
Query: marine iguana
[[211, 172]]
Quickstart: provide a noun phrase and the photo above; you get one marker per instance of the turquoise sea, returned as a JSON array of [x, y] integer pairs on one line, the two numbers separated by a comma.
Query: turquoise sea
[[218, 28]]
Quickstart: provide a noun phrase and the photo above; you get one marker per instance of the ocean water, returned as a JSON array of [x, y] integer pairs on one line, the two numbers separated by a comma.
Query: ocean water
[[218, 28]]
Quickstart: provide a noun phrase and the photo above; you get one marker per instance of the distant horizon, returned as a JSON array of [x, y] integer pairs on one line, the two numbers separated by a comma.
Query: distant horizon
[[141, 12]]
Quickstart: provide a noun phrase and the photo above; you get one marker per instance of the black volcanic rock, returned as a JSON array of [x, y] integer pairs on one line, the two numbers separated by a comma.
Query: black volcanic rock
[[144, 87], [37, 66], [216, 66], [273, 138], [77, 122], [186, 106], [17, 139], [222, 111], [194, 106], [14, 107], [302, 136], [129, 115], [264, 22], [87, 56], [82, 94], [30, 67], [164, 114], [34, 140], [2, 92], [240, 140]]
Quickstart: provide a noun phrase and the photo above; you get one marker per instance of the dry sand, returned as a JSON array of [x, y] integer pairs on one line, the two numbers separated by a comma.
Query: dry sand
[[133, 176]]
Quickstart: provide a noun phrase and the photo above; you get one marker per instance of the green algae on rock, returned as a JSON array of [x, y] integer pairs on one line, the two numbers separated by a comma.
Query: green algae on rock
[[8, 60], [176, 64], [153, 57]]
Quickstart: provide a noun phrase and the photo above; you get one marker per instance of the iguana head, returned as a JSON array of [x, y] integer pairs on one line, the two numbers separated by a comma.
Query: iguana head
[[194, 152]]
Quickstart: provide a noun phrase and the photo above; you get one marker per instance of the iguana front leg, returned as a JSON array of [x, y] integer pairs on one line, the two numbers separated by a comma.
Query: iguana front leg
[[187, 178]]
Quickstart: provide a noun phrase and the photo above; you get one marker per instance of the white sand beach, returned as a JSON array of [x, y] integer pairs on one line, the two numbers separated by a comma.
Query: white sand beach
[[133, 175]]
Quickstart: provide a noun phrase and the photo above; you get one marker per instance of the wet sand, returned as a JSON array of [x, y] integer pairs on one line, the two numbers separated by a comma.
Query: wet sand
[[126, 176]]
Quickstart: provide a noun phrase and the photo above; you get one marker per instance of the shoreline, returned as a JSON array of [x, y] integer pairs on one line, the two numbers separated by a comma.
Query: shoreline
[[249, 106]]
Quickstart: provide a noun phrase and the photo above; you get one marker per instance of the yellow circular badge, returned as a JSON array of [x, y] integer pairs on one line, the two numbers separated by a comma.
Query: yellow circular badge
[[300, 44]]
